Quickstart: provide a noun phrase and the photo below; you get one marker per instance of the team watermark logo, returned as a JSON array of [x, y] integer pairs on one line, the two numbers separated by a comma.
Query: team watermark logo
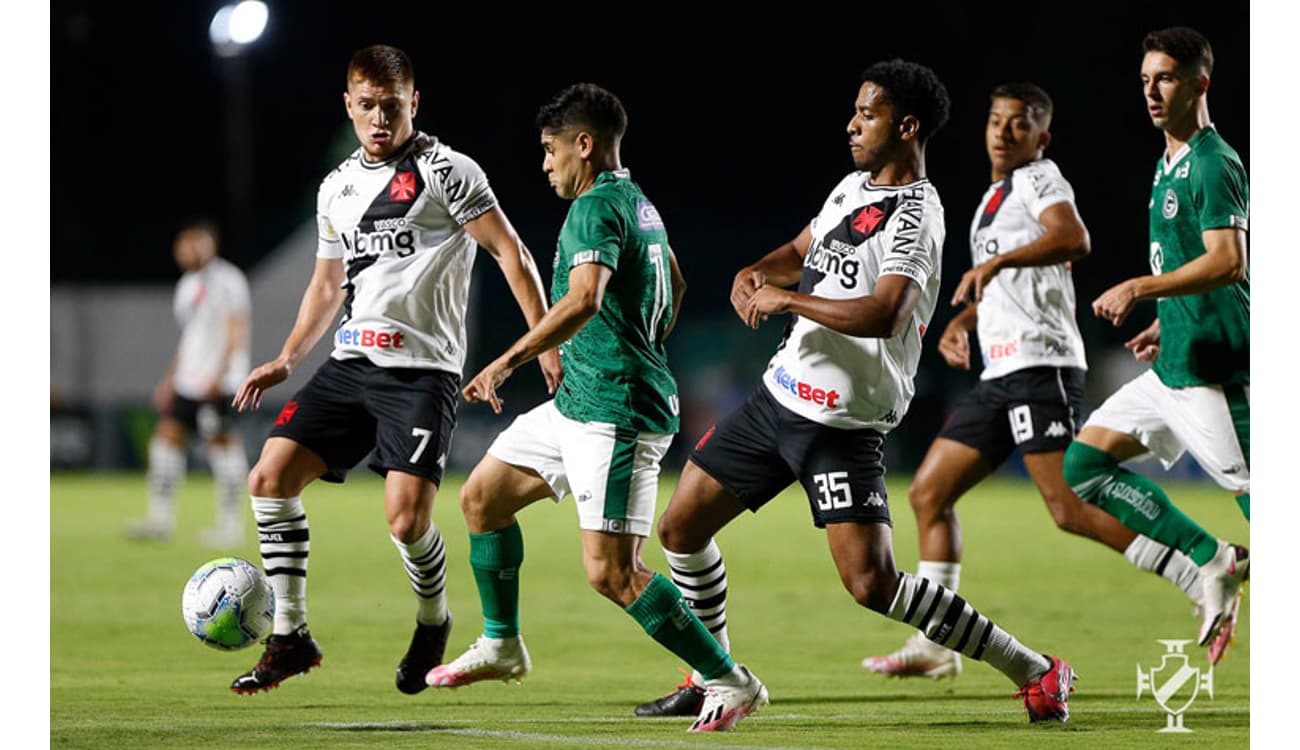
[[1175, 684]]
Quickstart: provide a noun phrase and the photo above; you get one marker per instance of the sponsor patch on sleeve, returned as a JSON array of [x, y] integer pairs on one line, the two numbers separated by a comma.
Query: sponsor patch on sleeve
[[647, 216]]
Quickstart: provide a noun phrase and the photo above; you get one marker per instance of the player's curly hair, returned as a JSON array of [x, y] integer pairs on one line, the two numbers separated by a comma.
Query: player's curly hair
[[1037, 100], [1186, 45], [381, 64], [586, 105], [914, 90]]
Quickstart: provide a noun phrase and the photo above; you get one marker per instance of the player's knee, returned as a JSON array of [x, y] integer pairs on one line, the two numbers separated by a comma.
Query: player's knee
[[1083, 466], [1066, 509], [407, 526], [265, 481], [473, 504], [873, 589], [677, 537], [928, 503]]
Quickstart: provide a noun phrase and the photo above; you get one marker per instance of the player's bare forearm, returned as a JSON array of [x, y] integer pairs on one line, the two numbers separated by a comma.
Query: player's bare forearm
[[1223, 263], [570, 313], [784, 265], [1064, 239], [494, 233], [679, 290], [883, 314], [967, 319], [320, 303]]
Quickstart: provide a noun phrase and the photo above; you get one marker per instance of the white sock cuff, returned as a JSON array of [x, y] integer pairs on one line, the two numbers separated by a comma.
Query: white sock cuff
[[165, 455], [273, 509], [946, 574], [698, 560], [1144, 552], [421, 545]]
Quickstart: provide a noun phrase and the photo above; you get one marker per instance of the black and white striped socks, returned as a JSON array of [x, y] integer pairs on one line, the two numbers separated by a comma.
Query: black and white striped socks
[[284, 542], [702, 578], [948, 620], [425, 561]]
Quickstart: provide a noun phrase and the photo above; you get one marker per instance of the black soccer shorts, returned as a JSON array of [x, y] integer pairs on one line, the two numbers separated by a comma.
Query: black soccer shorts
[[205, 418], [759, 449], [351, 406], [1035, 410]]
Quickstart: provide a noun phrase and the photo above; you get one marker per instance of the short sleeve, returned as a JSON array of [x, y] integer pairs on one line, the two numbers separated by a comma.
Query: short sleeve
[[912, 236], [238, 299], [327, 239], [460, 184], [592, 233], [1219, 192], [1044, 186]]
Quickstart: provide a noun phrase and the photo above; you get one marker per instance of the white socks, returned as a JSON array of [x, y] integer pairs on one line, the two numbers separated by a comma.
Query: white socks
[[284, 542], [425, 561]]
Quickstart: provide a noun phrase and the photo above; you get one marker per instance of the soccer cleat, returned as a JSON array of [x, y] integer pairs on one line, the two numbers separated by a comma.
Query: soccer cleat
[[686, 700], [502, 659], [1048, 696], [919, 657], [724, 705], [284, 657], [222, 536], [148, 530], [1222, 579], [1227, 633], [428, 644]]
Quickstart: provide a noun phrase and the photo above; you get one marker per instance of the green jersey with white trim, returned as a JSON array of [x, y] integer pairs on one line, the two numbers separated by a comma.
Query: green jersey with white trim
[[1204, 338], [616, 367]]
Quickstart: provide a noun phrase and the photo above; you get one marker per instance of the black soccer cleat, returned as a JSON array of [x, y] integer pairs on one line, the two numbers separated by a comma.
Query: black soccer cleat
[[284, 657], [686, 700], [428, 644]]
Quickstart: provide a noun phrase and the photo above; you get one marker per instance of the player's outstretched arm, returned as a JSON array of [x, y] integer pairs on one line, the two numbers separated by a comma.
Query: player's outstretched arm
[[586, 291], [954, 344], [1223, 263], [494, 233], [1064, 239], [881, 315], [320, 302], [781, 267]]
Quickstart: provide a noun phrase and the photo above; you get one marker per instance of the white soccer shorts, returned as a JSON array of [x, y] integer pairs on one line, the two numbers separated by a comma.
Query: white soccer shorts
[[1169, 421], [613, 474]]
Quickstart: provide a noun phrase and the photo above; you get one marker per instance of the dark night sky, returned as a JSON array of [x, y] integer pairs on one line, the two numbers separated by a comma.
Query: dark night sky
[[736, 114]]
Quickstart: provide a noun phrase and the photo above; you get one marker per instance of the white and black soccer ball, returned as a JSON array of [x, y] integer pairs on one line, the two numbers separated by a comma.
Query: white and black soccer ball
[[228, 604]]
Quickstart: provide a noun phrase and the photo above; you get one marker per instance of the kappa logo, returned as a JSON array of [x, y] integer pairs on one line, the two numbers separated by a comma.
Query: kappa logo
[[1056, 429], [402, 187], [867, 219], [584, 496], [347, 191], [1234, 469], [874, 500], [838, 200]]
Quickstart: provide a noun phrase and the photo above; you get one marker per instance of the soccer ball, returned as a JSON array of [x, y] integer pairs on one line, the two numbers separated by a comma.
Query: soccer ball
[[228, 604]]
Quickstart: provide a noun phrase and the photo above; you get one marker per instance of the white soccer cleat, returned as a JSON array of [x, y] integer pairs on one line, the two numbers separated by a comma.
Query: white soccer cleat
[[502, 659], [919, 657], [222, 536], [1222, 579], [724, 705]]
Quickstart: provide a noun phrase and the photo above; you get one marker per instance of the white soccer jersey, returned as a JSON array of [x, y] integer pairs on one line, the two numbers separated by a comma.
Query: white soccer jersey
[[205, 301], [1026, 318], [862, 233], [398, 226]]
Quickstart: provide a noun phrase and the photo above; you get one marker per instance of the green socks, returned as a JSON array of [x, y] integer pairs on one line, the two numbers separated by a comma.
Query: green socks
[[662, 612], [495, 558], [1243, 502], [1097, 478]]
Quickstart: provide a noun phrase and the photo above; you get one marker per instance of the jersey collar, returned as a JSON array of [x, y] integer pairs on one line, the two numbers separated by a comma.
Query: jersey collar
[[1197, 137], [401, 153], [610, 175]]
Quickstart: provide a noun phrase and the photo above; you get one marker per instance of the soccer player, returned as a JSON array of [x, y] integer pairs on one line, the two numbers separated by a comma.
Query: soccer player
[[1020, 297], [213, 310], [398, 221], [867, 269], [1196, 396], [616, 292]]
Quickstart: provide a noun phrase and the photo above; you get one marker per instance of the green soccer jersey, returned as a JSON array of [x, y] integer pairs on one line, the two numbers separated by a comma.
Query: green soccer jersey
[[1204, 338], [616, 367]]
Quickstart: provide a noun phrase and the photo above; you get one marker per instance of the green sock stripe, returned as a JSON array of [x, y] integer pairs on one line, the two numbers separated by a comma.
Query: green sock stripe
[[618, 482], [494, 558], [1239, 408], [1243, 502], [664, 615]]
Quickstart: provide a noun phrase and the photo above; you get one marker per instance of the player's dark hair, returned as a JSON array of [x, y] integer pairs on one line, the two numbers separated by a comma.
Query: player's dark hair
[[588, 106], [1037, 100], [202, 224], [914, 90], [1186, 45], [381, 64]]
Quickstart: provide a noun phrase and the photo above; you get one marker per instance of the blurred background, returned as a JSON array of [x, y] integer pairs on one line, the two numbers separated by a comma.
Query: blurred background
[[737, 116]]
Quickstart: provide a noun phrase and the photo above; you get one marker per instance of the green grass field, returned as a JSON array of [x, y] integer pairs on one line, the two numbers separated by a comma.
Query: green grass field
[[125, 673]]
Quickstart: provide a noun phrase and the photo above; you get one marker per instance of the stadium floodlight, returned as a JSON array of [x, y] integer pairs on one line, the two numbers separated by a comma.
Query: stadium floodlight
[[236, 26]]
